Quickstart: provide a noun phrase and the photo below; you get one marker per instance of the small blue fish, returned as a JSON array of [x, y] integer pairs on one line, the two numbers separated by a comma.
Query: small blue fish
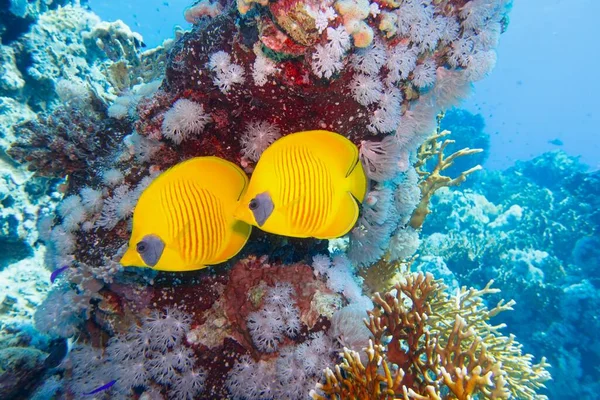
[[57, 272], [101, 388], [556, 142]]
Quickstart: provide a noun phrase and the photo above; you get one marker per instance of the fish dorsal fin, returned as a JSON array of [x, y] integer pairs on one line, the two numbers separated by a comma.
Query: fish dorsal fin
[[337, 150], [220, 176]]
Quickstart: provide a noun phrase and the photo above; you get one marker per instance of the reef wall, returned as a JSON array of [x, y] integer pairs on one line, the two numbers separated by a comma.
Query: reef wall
[[95, 119]]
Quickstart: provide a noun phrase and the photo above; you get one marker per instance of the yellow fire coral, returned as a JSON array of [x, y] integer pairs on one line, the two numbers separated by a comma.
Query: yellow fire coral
[[428, 345], [430, 181], [385, 274]]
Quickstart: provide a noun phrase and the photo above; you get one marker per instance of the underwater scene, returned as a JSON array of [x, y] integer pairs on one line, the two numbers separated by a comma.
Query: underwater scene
[[292, 199]]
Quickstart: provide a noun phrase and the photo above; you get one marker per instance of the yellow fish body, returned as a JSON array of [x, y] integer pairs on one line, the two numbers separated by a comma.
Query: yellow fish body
[[184, 220], [306, 184]]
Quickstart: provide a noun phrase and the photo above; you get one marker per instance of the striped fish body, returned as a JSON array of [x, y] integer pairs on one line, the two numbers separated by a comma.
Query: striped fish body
[[190, 208], [315, 181]]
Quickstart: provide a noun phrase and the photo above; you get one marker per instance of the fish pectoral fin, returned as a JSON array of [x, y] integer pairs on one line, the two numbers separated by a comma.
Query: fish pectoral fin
[[238, 238], [345, 219]]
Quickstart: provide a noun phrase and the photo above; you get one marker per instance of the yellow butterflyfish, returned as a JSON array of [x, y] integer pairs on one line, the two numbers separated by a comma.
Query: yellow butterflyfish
[[306, 184], [184, 220]]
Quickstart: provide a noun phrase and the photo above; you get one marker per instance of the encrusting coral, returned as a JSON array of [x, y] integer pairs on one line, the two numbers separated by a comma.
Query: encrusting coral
[[427, 344], [430, 181]]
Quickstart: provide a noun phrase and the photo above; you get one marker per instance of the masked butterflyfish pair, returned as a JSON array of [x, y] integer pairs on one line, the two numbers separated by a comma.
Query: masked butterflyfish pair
[[200, 212]]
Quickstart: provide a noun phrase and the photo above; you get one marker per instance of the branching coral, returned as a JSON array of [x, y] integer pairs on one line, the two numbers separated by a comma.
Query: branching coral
[[384, 274], [430, 181], [60, 143], [429, 345]]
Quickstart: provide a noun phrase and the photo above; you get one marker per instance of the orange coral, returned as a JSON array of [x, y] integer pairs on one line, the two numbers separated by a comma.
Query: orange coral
[[430, 345]]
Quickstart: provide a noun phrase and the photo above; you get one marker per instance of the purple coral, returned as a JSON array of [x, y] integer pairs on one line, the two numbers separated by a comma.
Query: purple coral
[[167, 328], [152, 352], [58, 314], [188, 385], [62, 142], [278, 318], [289, 376]]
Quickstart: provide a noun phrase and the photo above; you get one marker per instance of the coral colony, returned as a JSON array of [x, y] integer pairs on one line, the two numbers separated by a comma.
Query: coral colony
[[287, 318]]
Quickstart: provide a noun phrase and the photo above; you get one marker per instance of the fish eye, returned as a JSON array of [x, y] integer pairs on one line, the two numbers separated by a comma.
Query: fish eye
[[253, 204], [141, 247]]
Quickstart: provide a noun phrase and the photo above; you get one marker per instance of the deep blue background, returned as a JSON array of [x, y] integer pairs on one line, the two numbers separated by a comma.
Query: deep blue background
[[545, 85]]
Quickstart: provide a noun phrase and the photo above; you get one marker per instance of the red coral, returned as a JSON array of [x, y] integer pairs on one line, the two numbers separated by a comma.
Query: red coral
[[293, 97], [254, 274]]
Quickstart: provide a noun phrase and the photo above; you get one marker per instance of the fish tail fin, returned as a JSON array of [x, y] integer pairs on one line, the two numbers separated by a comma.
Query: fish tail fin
[[345, 219], [357, 181], [348, 211]]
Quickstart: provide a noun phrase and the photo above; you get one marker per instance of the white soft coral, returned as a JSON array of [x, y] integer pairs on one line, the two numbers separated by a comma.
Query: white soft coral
[[338, 40], [387, 116], [117, 207], [327, 59], [414, 19], [184, 119], [366, 89], [401, 61], [263, 67], [369, 60], [424, 74], [257, 137], [380, 159], [476, 13], [324, 63], [279, 317], [227, 74], [480, 64]]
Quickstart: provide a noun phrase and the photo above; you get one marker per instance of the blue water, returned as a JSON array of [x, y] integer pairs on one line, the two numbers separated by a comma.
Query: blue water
[[252, 272]]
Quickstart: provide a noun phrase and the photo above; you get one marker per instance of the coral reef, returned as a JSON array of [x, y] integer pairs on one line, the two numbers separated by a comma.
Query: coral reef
[[532, 229], [61, 144], [20, 368], [427, 344], [17, 16], [110, 117]]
